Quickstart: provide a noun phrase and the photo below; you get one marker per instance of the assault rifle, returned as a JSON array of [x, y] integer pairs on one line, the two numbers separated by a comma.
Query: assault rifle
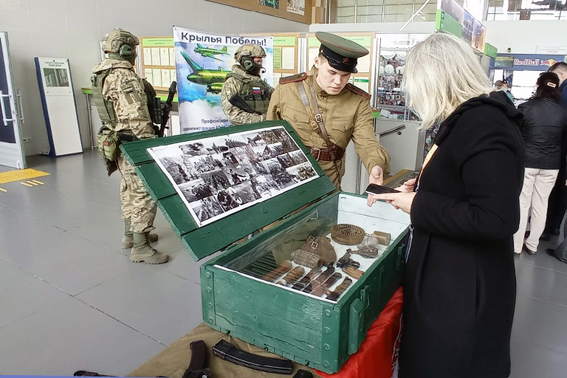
[[167, 108], [239, 102]]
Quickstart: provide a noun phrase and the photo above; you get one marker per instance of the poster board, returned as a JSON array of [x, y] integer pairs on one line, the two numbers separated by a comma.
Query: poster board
[[288, 9], [363, 79], [158, 61], [286, 55], [59, 106], [203, 61]]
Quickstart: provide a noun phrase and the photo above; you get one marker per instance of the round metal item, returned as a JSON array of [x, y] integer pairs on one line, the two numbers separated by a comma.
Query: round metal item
[[347, 234]]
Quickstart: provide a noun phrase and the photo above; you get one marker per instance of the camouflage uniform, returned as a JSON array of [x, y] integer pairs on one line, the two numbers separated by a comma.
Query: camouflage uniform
[[125, 89], [231, 87], [347, 116]]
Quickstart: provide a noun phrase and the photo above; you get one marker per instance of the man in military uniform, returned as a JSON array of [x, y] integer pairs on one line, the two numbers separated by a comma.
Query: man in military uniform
[[245, 96], [327, 112], [122, 103]]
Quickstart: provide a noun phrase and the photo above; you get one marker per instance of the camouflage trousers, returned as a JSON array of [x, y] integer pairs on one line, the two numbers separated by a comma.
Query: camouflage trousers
[[136, 203]]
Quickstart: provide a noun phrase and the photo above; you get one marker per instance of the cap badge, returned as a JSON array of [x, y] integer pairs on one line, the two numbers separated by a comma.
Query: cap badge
[[345, 60]]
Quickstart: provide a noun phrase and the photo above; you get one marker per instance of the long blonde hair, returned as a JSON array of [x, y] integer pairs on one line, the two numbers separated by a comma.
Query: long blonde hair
[[441, 73]]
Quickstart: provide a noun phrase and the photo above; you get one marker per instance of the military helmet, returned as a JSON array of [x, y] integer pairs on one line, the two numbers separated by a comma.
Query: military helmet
[[114, 41], [249, 50]]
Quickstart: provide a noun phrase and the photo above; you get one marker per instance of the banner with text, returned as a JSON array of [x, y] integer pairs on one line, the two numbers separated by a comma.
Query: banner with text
[[202, 62]]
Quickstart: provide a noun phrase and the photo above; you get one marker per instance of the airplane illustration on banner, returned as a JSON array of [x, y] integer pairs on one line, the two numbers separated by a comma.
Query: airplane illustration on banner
[[213, 79], [209, 52]]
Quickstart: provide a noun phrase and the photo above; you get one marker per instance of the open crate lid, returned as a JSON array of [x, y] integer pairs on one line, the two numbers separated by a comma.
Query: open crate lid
[[204, 240]]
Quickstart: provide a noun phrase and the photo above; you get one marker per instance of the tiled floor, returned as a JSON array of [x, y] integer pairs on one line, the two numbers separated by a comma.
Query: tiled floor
[[70, 299]]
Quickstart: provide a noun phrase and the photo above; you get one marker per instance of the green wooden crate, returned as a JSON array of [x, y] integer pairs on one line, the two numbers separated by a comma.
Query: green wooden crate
[[307, 329]]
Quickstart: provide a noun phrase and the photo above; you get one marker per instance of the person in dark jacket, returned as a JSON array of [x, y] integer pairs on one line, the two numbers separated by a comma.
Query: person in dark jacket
[[560, 68], [543, 130], [557, 204], [459, 279]]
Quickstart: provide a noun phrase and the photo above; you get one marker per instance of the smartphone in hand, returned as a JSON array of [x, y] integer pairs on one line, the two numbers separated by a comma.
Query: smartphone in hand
[[379, 189]]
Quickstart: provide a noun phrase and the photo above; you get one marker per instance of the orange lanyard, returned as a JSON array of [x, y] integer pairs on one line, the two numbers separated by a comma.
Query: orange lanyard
[[426, 161]]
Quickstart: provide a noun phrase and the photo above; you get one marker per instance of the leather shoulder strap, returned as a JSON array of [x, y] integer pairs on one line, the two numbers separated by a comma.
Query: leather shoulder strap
[[356, 90], [294, 78]]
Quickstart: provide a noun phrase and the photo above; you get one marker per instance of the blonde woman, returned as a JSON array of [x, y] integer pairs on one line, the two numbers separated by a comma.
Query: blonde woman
[[459, 281]]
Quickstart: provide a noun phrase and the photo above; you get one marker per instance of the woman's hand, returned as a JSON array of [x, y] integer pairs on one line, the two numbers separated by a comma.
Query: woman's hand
[[402, 200], [407, 186]]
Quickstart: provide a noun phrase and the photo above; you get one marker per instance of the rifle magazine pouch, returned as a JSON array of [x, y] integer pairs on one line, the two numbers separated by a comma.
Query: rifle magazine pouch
[[108, 143]]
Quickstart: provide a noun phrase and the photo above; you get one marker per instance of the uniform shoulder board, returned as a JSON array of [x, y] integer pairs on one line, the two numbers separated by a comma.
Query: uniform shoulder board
[[292, 79], [358, 91]]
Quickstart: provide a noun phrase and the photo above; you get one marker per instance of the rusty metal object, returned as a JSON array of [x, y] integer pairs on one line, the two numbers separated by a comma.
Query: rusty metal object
[[345, 261], [280, 270], [302, 284], [306, 258], [319, 279], [347, 234], [324, 287], [321, 246], [294, 275], [367, 251], [353, 272], [335, 294]]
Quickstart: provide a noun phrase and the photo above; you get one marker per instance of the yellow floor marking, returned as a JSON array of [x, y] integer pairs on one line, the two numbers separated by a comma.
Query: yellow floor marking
[[32, 183], [38, 182], [20, 174], [3, 190], [26, 184]]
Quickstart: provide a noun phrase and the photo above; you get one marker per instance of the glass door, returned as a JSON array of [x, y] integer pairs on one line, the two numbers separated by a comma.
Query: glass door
[[11, 148]]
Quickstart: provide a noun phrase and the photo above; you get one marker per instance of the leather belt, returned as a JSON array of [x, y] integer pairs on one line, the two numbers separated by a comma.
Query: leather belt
[[324, 154], [229, 352]]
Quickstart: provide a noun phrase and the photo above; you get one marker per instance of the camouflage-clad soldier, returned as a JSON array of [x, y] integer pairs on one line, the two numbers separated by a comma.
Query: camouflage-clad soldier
[[122, 102], [245, 96], [344, 109]]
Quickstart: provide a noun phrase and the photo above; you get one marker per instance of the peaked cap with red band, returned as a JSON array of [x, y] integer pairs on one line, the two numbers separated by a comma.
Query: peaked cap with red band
[[341, 53]]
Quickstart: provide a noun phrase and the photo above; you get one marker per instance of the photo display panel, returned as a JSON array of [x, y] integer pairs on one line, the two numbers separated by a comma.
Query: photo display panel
[[219, 176]]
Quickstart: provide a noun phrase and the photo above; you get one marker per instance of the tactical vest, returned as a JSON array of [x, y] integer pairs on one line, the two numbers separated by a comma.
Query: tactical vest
[[253, 91], [105, 107]]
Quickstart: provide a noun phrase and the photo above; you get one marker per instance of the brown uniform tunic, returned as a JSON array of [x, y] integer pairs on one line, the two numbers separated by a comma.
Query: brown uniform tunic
[[347, 116]]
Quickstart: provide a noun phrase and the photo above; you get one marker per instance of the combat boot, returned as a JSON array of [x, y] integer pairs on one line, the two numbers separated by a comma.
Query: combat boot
[[143, 252], [128, 240]]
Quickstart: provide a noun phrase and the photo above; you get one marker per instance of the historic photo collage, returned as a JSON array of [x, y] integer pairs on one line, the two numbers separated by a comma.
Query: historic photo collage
[[219, 176]]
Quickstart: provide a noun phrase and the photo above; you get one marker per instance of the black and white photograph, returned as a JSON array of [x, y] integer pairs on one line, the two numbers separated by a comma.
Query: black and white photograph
[[219, 176]]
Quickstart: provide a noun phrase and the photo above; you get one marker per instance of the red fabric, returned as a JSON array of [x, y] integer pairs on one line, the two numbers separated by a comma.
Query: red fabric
[[376, 353]]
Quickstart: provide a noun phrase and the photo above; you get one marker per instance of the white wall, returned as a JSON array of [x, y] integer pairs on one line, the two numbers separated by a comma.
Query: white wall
[[521, 36], [72, 29]]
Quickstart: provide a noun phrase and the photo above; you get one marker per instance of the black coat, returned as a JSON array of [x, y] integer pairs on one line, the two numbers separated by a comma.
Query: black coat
[[543, 129], [459, 281]]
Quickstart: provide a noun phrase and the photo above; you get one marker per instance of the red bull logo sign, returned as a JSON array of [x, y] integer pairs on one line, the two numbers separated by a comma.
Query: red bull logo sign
[[531, 62], [534, 62]]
